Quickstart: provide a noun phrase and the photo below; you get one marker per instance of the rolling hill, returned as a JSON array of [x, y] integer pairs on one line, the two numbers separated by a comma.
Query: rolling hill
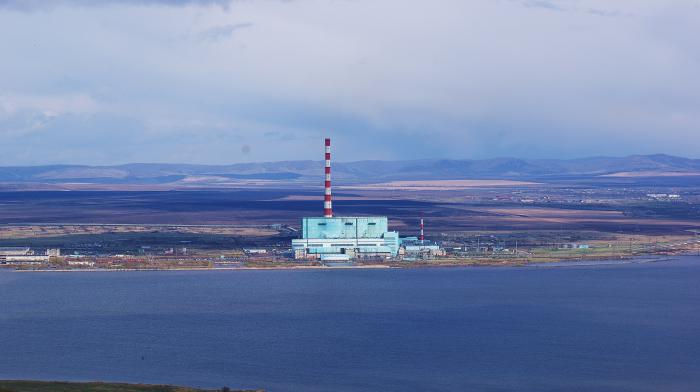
[[357, 172]]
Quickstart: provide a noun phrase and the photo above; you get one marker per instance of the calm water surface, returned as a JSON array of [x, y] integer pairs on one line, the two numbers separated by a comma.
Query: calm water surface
[[632, 327]]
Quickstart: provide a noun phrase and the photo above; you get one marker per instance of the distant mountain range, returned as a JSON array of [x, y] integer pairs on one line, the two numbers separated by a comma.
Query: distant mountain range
[[358, 172]]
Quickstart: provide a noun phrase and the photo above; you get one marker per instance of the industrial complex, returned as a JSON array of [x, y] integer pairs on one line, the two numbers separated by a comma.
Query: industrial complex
[[323, 239], [331, 238], [254, 227]]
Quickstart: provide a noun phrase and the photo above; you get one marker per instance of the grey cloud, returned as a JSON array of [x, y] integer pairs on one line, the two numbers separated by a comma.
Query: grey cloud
[[562, 5], [33, 5], [454, 78], [604, 12], [218, 33], [24, 123], [550, 5]]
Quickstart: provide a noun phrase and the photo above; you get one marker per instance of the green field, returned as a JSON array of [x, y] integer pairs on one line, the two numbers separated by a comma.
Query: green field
[[54, 386]]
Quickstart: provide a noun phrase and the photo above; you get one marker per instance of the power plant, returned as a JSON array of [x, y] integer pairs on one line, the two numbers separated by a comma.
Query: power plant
[[330, 238]]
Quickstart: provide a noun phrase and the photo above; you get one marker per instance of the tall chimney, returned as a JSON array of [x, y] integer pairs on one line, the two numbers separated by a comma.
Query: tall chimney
[[327, 205], [421, 230]]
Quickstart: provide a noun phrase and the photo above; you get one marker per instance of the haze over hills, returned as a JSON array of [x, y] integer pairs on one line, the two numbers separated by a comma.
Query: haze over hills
[[658, 165]]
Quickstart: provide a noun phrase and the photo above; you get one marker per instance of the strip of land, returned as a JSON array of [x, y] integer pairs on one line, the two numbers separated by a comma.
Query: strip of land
[[59, 386]]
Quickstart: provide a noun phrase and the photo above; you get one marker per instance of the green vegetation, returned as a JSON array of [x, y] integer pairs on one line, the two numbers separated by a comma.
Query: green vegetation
[[54, 386]]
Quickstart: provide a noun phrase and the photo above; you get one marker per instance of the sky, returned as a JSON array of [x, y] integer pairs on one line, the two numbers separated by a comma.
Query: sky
[[215, 81]]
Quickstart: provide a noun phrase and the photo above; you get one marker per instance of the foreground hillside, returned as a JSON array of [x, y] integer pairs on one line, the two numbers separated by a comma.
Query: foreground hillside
[[53, 386]]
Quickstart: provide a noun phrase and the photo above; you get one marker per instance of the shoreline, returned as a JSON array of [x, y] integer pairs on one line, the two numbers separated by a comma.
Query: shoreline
[[100, 386], [551, 264], [310, 267]]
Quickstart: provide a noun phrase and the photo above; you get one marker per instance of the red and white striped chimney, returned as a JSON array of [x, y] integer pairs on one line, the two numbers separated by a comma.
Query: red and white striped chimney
[[327, 204], [421, 229]]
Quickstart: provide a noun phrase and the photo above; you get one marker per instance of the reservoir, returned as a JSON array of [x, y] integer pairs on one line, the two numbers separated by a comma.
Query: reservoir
[[600, 327]]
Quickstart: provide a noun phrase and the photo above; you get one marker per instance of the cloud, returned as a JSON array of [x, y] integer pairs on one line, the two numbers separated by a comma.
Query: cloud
[[21, 115], [550, 5], [33, 5], [217, 33], [50, 105], [386, 79], [604, 12]]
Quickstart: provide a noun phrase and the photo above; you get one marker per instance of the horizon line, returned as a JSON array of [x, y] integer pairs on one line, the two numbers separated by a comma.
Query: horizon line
[[357, 161]]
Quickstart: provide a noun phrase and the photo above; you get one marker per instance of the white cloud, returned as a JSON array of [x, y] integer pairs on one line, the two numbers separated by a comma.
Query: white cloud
[[49, 105], [35, 5], [479, 78]]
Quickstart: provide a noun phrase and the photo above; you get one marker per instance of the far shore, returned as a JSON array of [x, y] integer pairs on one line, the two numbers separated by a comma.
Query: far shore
[[291, 267], [97, 386], [503, 263]]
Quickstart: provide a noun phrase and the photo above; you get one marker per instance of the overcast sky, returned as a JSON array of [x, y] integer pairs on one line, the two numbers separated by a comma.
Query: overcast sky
[[105, 82]]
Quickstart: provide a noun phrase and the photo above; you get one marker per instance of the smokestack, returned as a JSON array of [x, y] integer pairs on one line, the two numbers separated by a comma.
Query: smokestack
[[421, 230], [327, 204]]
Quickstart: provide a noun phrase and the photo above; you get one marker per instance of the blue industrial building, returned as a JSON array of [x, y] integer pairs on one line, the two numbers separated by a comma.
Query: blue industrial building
[[344, 238]]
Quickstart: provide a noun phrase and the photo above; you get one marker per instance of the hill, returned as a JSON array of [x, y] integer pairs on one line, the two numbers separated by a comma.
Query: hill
[[356, 172]]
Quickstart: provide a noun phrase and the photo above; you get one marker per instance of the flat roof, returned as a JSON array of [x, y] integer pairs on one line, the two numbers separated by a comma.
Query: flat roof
[[346, 217]]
